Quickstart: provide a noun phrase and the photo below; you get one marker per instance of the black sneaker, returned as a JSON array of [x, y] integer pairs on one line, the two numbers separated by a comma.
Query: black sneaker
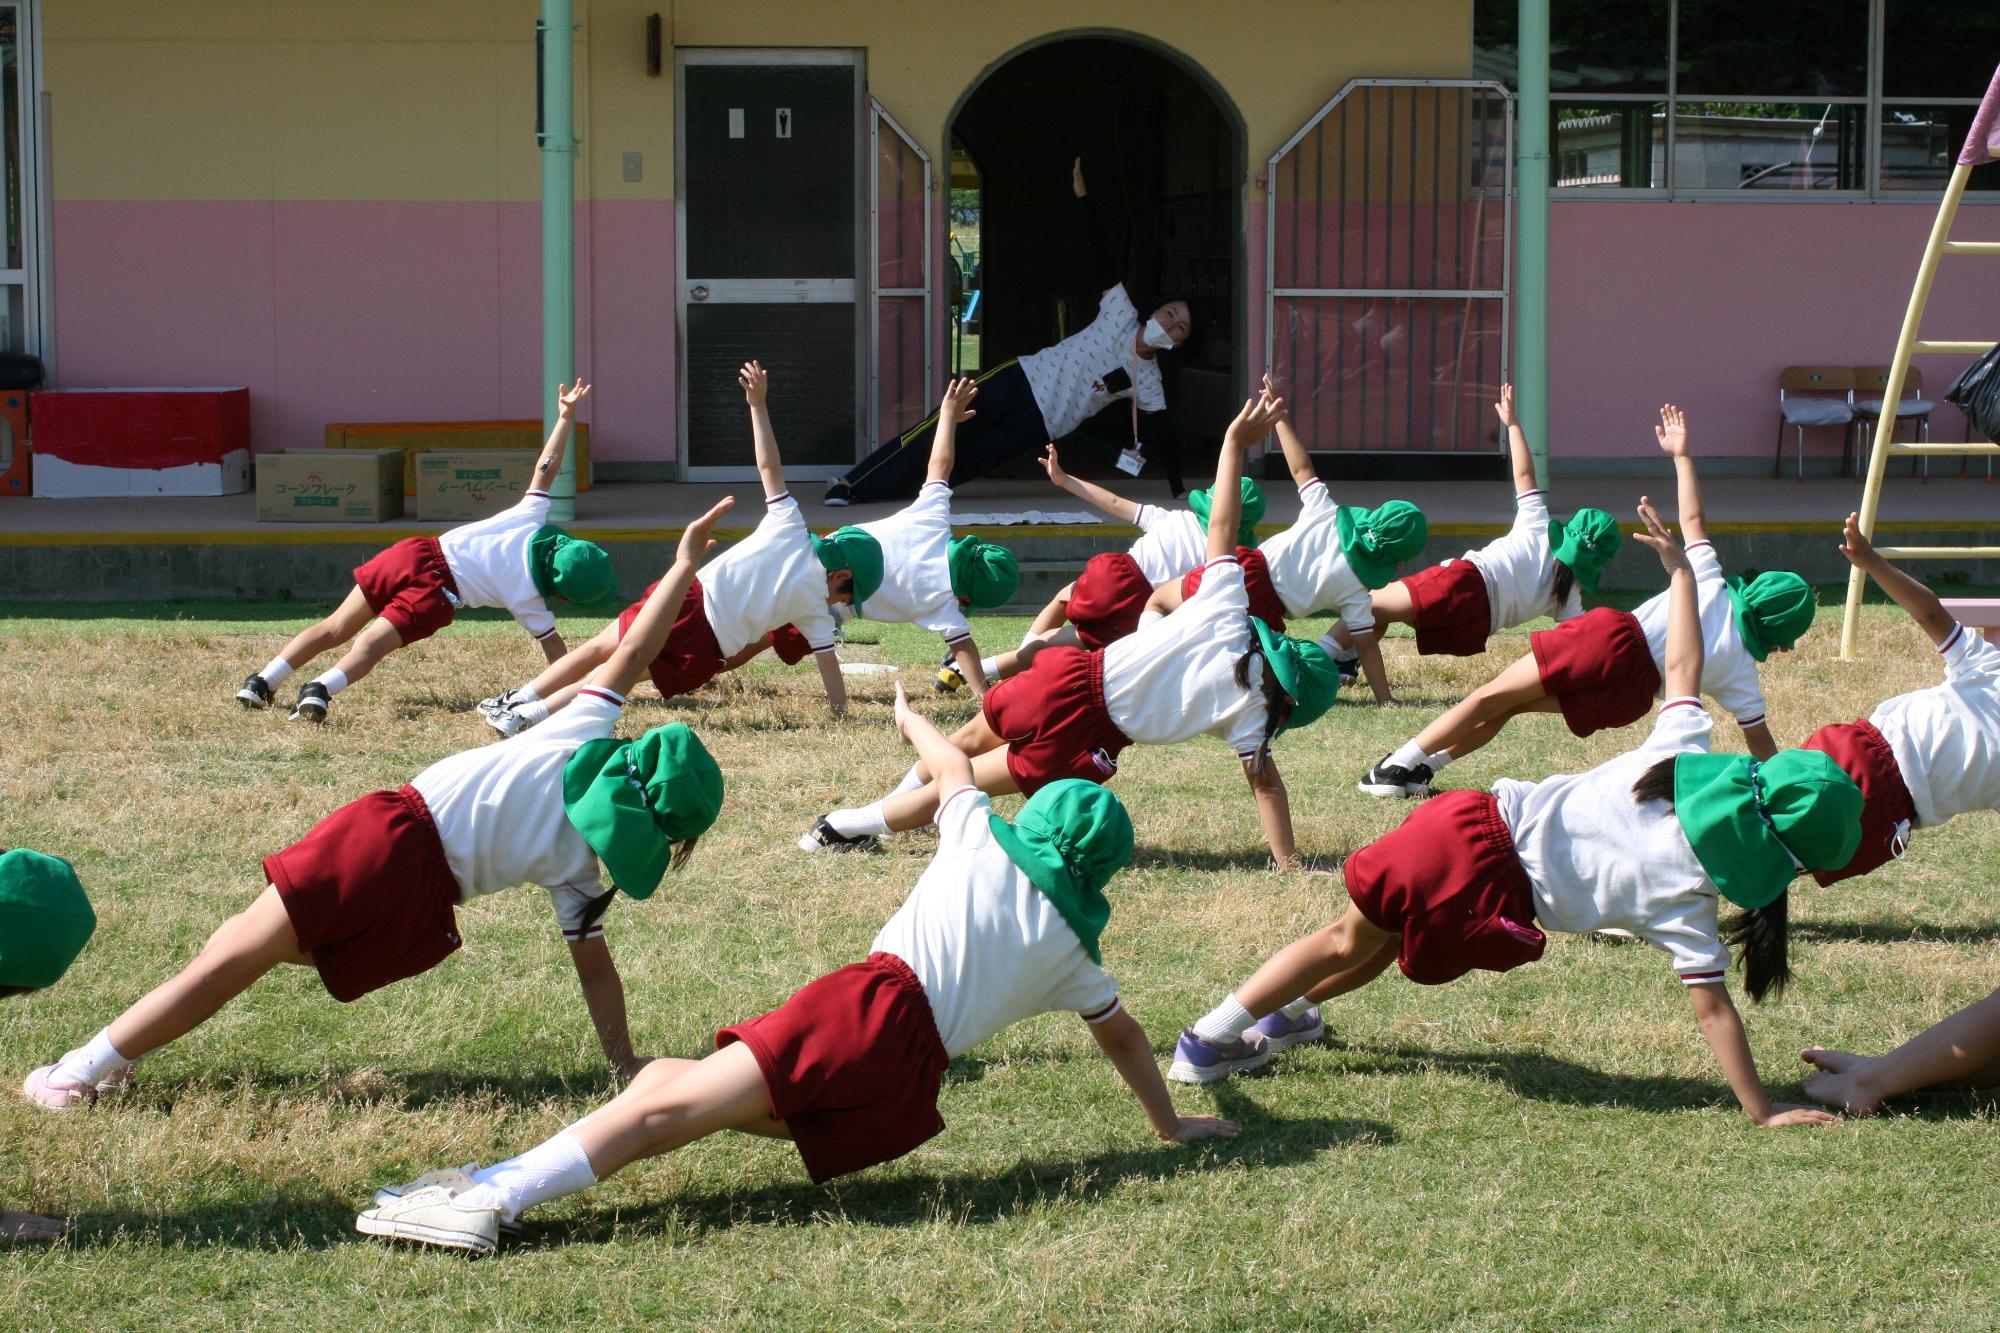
[[1349, 667], [1387, 779], [312, 703], [824, 838], [837, 495], [256, 693], [950, 680]]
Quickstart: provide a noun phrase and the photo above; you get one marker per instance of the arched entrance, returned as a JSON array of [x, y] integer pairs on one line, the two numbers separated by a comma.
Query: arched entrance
[[1163, 151]]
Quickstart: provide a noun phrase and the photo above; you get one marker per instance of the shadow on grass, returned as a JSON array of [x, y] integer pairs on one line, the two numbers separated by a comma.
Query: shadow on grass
[[1548, 1078], [273, 1221], [1253, 859], [1883, 932]]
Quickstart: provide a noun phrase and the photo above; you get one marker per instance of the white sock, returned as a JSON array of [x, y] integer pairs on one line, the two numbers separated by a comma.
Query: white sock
[[989, 667], [534, 710], [525, 694], [855, 823], [1407, 755], [1029, 638], [335, 681], [1341, 652], [1151, 617], [1297, 1008], [911, 780], [277, 672], [1226, 1022], [96, 1061], [555, 1168], [1439, 760]]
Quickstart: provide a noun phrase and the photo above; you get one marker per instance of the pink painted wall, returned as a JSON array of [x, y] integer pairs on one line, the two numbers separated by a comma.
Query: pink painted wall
[[1703, 305], [366, 311]]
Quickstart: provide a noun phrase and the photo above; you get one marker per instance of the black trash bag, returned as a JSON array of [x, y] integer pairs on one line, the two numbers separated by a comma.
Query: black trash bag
[[1977, 394], [18, 370]]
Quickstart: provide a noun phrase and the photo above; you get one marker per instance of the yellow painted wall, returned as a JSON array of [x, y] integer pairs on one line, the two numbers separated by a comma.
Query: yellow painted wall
[[434, 99]]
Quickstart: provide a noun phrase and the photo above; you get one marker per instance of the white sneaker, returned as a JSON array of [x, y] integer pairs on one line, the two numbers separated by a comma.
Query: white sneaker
[[453, 1178], [430, 1217]]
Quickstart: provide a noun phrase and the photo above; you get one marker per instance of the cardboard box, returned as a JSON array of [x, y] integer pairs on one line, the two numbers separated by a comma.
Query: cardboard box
[[329, 486], [460, 484], [417, 437]]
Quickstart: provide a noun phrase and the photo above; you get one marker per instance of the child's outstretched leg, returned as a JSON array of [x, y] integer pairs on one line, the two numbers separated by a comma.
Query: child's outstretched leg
[[1221, 1043], [347, 620], [1464, 727], [243, 949], [523, 706], [914, 803], [1962, 1050]]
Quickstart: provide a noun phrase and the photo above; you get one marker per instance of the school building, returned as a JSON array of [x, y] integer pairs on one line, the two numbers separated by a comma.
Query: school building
[[335, 203]]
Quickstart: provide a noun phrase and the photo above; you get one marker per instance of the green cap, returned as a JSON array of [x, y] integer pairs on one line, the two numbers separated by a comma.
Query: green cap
[[571, 569], [632, 800], [982, 572], [1069, 840], [1305, 670], [1203, 500], [1772, 610], [45, 919], [1376, 540], [1586, 543], [853, 550], [1753, 826]]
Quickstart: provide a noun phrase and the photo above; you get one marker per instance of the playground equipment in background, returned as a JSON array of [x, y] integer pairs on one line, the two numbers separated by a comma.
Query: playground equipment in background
[[1982, 145]]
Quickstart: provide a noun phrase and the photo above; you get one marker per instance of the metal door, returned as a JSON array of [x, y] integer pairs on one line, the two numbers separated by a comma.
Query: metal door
[[769, 171], [899, 269]]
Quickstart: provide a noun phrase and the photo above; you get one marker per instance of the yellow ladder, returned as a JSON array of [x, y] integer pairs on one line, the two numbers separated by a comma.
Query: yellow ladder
[[1982, 145]]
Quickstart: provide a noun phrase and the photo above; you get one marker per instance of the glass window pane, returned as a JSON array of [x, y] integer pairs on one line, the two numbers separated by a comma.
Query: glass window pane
[[964, 263], [1797, 48], [10, 128], [1593, 45], [1920, 144], [1609, 145], [1938, 50], [1768, 146]]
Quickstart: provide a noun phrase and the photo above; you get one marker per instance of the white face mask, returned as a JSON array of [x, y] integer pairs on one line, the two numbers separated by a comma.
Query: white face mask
[[1157, 338]]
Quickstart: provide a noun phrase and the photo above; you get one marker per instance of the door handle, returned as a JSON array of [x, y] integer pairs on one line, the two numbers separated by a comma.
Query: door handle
[[699, 292]]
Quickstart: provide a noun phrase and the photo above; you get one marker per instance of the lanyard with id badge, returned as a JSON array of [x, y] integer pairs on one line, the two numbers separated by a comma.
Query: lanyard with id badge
[[1132, 461]]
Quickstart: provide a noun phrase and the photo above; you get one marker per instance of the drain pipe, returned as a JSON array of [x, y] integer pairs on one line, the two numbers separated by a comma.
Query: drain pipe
[[555, 122], [1531, 184]]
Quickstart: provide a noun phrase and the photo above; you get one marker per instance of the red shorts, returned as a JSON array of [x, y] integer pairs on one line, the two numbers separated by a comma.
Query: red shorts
[[1449, 880], [1053, 719], [1452, 609], [410, 586], [790, 645], [1264, 603], [1106, 599], [370, 893], [1598, 668], [690, 657], [853, 1063], [1885, 798]]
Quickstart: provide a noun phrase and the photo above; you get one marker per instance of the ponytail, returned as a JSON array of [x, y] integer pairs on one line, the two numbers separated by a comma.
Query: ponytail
[[1656, 783], [1565, 584], [1278, 705], [1762, 935]]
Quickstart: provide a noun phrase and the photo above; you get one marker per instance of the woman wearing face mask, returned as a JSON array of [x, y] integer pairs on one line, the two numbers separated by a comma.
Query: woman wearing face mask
[[1043, 396]]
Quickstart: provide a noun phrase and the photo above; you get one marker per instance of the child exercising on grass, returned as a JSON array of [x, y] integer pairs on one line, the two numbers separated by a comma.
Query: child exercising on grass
[[1003, 925], [45, 920]]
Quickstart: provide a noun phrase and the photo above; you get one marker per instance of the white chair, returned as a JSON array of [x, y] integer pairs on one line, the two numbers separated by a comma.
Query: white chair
[[1801, 413], [1870, 383]]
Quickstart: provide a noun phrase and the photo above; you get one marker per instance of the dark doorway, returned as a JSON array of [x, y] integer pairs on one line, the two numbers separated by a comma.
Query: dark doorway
[[1163, 157]]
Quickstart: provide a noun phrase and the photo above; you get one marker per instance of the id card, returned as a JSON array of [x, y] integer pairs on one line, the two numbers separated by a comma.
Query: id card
[[1131, 462]]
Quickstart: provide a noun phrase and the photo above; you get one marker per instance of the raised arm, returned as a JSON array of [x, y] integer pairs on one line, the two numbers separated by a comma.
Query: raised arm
[[1125, 511], [627, 664], [947, 764], [1723, 1028], [756, 383], [1226, 499], [1296, 458], [567, 397], [1684, 650], [956, 407], [1124, 1043], [1673, 437], [1103, 254], [1920, 602], [1518, 453]]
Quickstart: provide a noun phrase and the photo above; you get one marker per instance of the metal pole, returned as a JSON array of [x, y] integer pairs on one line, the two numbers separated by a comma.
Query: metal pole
[[558, 145], [1531, 310]]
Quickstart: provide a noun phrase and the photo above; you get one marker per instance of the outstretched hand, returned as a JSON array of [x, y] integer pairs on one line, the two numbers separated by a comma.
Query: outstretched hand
[[1053, 465], [958, 396], [1076, 178], [1859, 551], [1254, 422], [904, 713], [1660, 537], [1192, 1127], [755, 380], [569, 395], [695, 539], [1504, 409], [1784, 1114], [1672, 432]]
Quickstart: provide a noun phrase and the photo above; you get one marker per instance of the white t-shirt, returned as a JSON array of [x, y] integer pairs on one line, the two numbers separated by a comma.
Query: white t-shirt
[[1068, 380], [1173, 542], [489, 560], [499, 812], [1308, 569], [988, 946], [770, 578], [1728, 672], [1175, 679], [1946, 739], [1599, 859], [1520, 569], [916, 575]]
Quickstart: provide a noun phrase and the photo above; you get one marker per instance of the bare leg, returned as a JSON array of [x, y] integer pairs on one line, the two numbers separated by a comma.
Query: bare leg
[[1392, 606], [914, 809], [574, 666], [345, 622], [1962, 1050], [674, 1102], [243, 949], [1353, 979], [1477, 718], [1056, 614], [375, 643], [1349, 945], [1020, 659]]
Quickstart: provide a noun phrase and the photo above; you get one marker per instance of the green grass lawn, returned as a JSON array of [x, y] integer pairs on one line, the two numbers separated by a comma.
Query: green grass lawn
[[1550, 1148]]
